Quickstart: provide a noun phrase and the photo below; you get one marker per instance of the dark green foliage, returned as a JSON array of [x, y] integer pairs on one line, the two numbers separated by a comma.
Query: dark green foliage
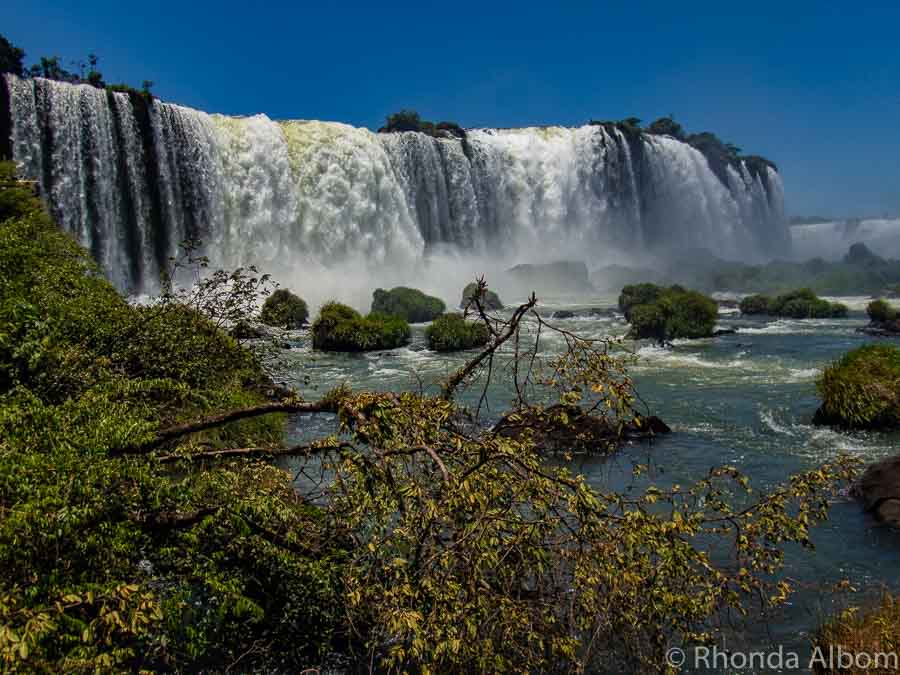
[[638, 294], [666, 126], [284, 310], [755, 304], [489, 299], [664, 314], [409, 120], [804, 304], [881, 312], [339, 328], [451, 332], [862, 389], [11, 58], [98, 574], [408, 303]]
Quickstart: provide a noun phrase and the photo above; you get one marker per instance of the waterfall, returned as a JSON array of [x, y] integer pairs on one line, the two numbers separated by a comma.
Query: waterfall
[[133, 178]]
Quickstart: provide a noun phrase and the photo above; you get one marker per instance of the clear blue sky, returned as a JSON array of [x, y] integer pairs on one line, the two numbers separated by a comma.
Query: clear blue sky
[[814, 86]]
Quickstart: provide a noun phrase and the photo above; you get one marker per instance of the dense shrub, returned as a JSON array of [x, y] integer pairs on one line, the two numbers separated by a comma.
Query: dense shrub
[[862, 389], [638, 294], [755, 304], [804, 304], [451, 332], [881, 312], [339, 328], [407, 303], [113, 562], [489, 299], [799, 304], [665, 314], [410, 120], [284, 310], [861, 634]]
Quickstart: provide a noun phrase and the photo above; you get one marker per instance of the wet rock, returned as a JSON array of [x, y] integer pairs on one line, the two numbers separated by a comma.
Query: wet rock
[[568, 428], [724, 331], [562, 314], [879, 490]]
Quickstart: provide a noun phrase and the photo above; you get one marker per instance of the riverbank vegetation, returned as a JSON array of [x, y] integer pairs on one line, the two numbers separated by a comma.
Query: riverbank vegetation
[[862, 389], [144, 526], [799, 304], [408, 303], [859, 272], [665, 314], [489, 299]]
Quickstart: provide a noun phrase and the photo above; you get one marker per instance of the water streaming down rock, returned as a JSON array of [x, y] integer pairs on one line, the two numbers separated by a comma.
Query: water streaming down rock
[[132, 179]]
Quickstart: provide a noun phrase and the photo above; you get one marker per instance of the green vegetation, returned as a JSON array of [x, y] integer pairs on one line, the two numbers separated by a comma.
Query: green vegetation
[[664, 314], [52, 68], [409, 120], [340, 328], [862, 389], [489, 299], [407, 303], [667, 126], [799, 304], [755, 304], [145, 529], [114, 558], [880, 311], [451, 332], [284, 310], [862, 631]]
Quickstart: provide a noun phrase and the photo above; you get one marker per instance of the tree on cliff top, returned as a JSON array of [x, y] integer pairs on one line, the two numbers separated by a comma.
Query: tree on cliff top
[[11, 58]]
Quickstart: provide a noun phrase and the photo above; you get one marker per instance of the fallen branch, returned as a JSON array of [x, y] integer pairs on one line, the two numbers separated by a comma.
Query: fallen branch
[[326, 405], [248, 452]]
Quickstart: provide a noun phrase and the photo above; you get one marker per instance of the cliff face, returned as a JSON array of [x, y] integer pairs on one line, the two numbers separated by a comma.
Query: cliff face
[[133, 177]]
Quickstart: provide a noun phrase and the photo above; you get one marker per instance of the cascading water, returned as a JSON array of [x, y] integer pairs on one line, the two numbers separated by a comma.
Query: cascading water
[[132, 179]]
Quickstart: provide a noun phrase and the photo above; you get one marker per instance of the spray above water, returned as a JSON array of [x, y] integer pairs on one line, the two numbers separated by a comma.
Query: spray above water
[[322, 205]]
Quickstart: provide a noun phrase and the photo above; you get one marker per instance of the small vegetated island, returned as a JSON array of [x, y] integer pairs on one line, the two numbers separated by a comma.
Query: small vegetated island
[[409, 304], [283, 309], [799, 304], [883, 318], [664, 314], [489, 299], [862, 389], [452, 332], [340, 328]]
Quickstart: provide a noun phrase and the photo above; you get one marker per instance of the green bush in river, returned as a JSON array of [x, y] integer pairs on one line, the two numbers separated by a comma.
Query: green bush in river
[[489, 299], [862, 389], [664, 314], [755, 304], [340, 328], [284, 310], [451, 332], [408, 303], [799, 304], [880, 312]]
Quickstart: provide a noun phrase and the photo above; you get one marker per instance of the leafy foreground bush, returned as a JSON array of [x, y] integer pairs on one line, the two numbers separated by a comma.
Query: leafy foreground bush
[[284, 310], [865, 632], [664, 314], [142, 529], [489, 299], [339, 328], [862, 389], [407, 303], [451, 332], [116, 559], [799, 304]]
